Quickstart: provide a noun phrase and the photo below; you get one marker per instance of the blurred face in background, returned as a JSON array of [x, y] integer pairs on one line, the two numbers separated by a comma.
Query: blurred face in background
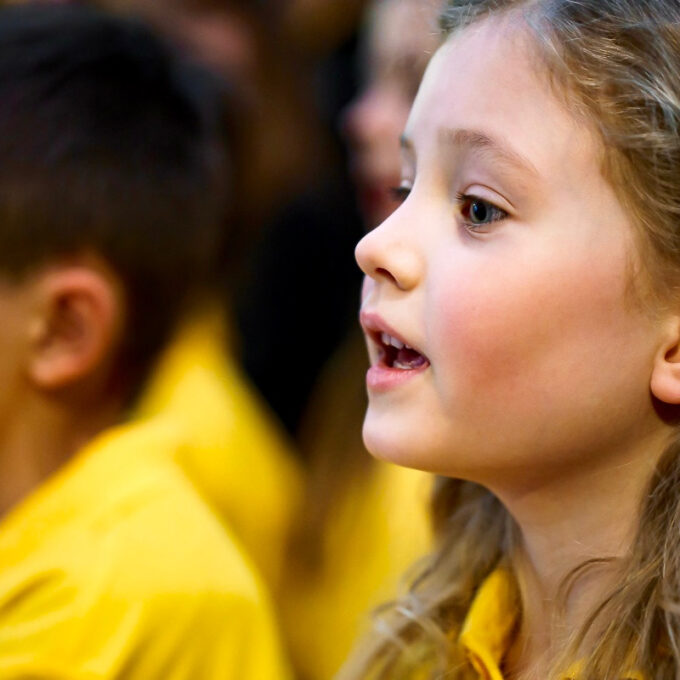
[[224, 40], [217, 34], [401, 37]]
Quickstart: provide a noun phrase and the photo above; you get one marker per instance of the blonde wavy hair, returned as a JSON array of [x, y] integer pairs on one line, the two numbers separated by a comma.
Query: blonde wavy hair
[[616, 62]]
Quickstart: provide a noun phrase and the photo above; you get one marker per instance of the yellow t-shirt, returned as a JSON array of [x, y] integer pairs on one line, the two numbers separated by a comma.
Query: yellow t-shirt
[[238, 458], [375, 534], [117, 568]]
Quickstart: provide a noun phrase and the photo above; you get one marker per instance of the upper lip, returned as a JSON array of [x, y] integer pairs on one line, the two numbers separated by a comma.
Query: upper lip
[[374, 326]]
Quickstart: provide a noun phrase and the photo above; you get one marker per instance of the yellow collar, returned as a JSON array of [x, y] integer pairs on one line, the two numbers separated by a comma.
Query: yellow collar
[[487, 632], [489, 625]]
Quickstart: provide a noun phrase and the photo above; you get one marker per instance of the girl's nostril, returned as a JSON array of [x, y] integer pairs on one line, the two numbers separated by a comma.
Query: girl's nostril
[[381, 271]]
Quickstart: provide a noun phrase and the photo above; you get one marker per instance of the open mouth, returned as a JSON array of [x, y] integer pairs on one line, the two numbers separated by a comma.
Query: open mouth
[[396, 354]]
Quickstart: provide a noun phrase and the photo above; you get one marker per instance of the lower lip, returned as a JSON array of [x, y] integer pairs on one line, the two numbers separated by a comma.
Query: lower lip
[[381, 378]]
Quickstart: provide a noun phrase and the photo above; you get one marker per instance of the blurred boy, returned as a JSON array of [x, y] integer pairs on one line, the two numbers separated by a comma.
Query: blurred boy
[[240, 459], [112, 564]]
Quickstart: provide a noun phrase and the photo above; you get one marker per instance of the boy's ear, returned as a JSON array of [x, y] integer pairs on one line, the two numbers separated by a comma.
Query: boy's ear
[[76, 326]]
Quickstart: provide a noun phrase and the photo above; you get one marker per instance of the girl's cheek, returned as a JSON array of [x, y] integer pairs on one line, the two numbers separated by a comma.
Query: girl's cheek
[[507, 333], [486, 328]]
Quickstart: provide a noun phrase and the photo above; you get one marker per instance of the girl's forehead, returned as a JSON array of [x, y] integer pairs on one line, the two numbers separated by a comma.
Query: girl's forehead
[[490, 79]]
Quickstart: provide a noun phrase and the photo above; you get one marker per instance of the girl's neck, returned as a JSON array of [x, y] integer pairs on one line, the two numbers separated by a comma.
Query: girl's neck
[[549, 621], [587, 516]]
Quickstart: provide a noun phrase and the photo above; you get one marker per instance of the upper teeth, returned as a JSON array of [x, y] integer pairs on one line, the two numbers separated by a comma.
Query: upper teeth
[[389, 340]]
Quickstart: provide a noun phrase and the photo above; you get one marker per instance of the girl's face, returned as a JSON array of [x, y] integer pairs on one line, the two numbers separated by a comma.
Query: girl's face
[[508, 269]]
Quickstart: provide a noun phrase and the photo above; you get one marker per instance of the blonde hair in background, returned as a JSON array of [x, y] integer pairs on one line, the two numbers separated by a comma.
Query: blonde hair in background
[[616, 62]]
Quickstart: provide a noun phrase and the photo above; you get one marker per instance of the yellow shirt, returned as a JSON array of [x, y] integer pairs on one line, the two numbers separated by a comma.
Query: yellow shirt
[[376, 533], [488, 629], [238, 458], [116, 568]]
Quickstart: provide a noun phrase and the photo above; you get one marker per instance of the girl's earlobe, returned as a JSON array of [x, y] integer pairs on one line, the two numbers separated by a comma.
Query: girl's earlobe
[[665, 378]]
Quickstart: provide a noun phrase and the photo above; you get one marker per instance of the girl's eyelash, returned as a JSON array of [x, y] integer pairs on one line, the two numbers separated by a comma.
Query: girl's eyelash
[[400, 193], [485, 215], [489, 212]]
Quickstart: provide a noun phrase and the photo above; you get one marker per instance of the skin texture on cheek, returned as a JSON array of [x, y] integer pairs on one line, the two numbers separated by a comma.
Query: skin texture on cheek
[[520, 315], [523, 349]]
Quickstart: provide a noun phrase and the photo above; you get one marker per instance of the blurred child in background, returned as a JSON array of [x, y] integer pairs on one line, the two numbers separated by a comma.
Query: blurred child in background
[[363, 522], [112, 176], [401, 37], [240, 459]]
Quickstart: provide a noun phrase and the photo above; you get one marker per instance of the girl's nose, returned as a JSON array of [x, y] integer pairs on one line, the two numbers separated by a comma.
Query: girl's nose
[[383, 256]]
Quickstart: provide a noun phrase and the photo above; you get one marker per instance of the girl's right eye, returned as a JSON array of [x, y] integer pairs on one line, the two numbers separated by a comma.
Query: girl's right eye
[[400, 194]]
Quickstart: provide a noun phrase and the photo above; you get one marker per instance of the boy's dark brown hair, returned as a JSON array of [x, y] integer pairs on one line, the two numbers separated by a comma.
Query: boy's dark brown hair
[[112, 146]]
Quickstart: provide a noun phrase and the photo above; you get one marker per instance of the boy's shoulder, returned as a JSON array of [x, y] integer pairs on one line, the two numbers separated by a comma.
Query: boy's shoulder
[[240, 460], [119, 551], [123, 504]]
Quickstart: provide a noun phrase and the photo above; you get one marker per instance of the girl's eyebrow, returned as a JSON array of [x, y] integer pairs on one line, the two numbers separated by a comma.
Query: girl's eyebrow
[[475, 139]]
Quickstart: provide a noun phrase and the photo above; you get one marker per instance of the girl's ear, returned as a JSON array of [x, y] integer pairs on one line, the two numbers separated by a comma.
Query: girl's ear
[[75, 328], [665, 380]]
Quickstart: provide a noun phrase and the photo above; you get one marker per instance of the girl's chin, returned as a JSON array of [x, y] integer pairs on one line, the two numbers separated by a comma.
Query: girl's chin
[[391, 438], [392, 445]]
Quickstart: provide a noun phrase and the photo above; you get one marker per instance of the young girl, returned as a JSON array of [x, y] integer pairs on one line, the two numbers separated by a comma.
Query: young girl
[[522, 313]]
